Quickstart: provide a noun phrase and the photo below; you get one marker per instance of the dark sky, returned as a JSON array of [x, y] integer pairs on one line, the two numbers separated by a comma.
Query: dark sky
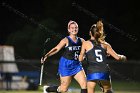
[[120, 17]]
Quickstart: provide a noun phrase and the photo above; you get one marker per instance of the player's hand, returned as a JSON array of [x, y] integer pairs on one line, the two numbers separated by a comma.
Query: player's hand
[[42, 60], [123, 58]]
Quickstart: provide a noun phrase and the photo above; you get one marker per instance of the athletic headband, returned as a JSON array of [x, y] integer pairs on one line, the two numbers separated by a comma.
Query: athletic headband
[[94, 25], [72, 22]]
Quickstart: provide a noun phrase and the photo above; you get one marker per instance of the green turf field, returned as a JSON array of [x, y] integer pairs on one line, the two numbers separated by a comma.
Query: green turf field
[[118, 87], [68, 92]]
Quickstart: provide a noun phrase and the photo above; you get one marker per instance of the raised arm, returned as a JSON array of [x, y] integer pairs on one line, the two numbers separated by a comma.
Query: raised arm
[[114, 54]]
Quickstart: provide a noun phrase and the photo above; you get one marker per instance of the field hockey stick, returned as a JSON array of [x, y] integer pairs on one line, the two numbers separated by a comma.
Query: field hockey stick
[[42, 63], [41, 73]]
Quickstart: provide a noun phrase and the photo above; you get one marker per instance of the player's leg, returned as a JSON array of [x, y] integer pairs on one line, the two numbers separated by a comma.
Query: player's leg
[[63, 87], [106, 85], [91, 86], [65, 82], [80, 77]]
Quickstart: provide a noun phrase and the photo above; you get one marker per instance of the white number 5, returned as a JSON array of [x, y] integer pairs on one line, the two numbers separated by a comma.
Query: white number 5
[[99, 57]]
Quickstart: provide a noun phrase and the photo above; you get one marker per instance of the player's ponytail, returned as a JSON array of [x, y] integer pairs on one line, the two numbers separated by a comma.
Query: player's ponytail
[[101, 30], [97, 31]]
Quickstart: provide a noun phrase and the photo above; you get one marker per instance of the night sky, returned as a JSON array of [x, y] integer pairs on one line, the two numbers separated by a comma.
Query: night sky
[[120, 17]]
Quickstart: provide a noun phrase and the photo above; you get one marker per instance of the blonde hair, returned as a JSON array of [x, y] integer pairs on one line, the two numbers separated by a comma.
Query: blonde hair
[[100, 27], [98, 32]]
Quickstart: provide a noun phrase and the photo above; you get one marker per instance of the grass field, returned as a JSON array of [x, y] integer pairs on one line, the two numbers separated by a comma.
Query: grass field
[[68, 92], [118, 87], [23, 91]]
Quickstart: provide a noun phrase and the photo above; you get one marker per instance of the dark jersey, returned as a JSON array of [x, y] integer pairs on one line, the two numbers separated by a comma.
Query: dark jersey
[[73, 49], [96, 58]]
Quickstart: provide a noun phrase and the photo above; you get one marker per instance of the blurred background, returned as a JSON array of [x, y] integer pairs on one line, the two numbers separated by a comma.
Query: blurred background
[[30, 28]]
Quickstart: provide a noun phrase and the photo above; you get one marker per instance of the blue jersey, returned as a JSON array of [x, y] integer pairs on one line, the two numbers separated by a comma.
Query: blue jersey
[[69, 64], [73, 49]]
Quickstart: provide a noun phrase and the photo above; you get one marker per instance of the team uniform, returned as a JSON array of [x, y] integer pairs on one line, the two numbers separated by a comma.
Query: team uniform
[[97, 66], [69, 64]]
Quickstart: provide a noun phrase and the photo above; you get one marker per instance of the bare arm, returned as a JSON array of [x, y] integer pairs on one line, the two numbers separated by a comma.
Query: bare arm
[[82, 53], [114, 54], [56, 49]]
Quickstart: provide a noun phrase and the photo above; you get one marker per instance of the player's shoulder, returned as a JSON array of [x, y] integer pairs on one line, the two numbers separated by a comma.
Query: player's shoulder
[[81, 39], [86, 42], [65, 39], [106, 43]]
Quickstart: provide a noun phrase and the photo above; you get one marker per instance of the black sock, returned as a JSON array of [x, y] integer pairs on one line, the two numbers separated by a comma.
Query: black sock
[[109, 91], [83, 90], [52, 89]]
